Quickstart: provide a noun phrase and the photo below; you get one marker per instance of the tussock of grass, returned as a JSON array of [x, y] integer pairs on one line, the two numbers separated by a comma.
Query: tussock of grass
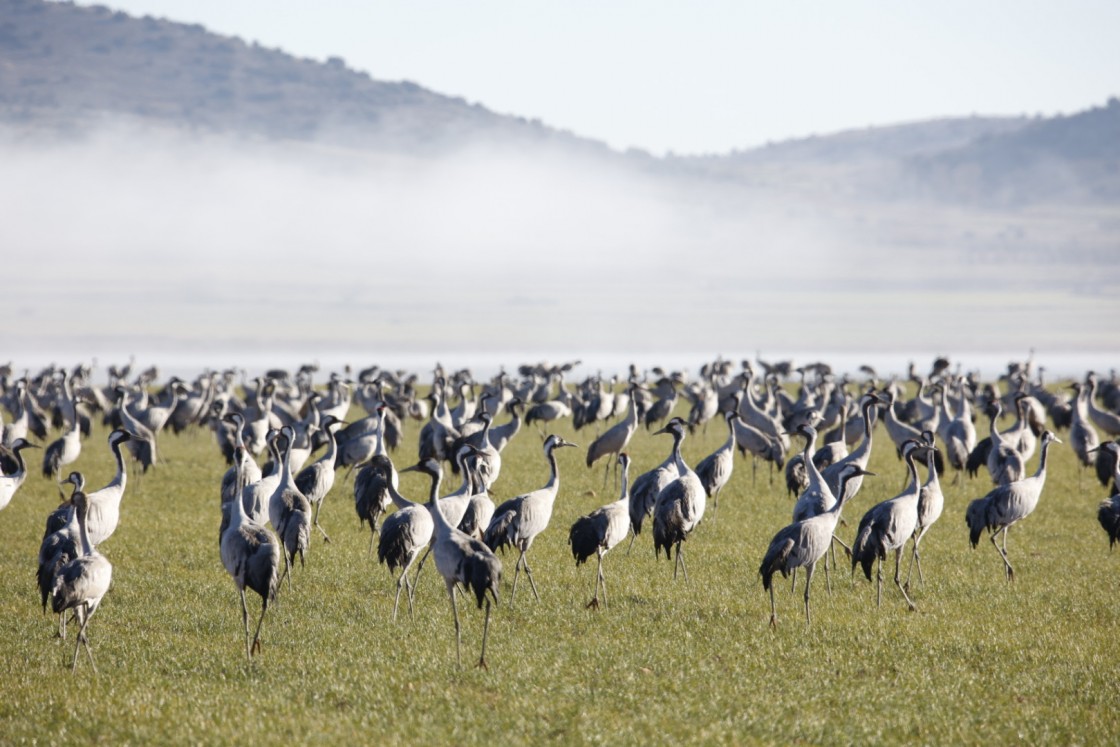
[[981, 661]]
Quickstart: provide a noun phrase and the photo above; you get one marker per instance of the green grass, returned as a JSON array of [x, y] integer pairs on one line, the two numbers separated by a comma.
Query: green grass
[[982, 661]]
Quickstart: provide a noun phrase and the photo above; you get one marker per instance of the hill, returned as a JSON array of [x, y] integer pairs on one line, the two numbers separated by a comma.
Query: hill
[[65, 66]]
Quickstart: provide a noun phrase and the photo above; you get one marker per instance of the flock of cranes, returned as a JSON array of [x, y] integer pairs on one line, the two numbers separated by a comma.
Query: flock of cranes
[[271, 513]]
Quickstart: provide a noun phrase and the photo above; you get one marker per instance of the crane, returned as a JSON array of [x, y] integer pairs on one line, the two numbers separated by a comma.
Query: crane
[[251, 556], [461, 560], [1007, 505], [803, 543], [317, 479], [289, 511], [680, 504], [931, 502], [81, 584], [614, 440], [715, 469], [602, 529], [404, 533], [519, 520], [10, 483], [887, 526]]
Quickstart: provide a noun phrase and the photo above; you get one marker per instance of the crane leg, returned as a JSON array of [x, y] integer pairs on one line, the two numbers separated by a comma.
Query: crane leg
[[633, 536], [681, 563], [847, 548], [606, 474], [879, 584], [793, 583], [485, 633], [594, 603], [458, 633], [1010, 572], [773, 610], [416, 579], [322, 531], [256, 647], [516, 572], [808, 581], [602, 580], [287, 569], [898, 582], [827, 582], [402, 581], [245, 624], [529, 575], [84, 619]]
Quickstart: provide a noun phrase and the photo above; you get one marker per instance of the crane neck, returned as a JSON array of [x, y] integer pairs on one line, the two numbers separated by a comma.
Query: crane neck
[[1041, 472], [553, 483], [433, 501], [678, 439], [121, 477], [625, 492], [81, 510]]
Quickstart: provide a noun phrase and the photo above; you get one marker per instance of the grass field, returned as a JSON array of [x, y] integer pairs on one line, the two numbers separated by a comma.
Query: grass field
[[982, 661]]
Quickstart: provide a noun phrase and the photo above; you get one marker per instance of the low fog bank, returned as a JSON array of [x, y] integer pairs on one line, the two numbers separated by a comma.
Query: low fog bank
[[132, 239]]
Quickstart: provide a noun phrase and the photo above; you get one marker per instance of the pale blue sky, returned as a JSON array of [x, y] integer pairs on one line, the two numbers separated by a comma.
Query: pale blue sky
[[703, 77]]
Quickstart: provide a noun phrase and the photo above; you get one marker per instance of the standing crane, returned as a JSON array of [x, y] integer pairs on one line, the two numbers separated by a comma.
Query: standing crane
[[10, 483], [931, 502], [1108, 513], [887, 526], [519, 520], [68, 447], [81, 584], [1007, 505], [614, 440], [461, 560], [715, 469], [680, 504], [288, 509], [602, 529], [317, 479], [59, 547], [803, 543], [404, 533], [251, 556]]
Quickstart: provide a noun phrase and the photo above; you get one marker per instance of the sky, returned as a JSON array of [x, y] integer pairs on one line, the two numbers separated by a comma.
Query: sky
[[707, 77], [172, 245]]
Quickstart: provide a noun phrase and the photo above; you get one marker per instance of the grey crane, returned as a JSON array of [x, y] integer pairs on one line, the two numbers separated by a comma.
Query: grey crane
[[462, 560], [404, 533], [861, 455], [68, 447], [997, 453], [480, 509], [899, 431], [488, 460], [519, 520], [1007, 505], [371, 493], [680, 504], [251, 556], [644, 492], [887, 526], [931, 502], [614, 440], [60, 545], [143, 441], [1108, 513], [1109, 422], [289, 511], [81, 583], [316, 480], [1082, 436], [804, 543], [10, 483], [242, 461], [957, 432], [104, 504], [715, 469], [599, 531]]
